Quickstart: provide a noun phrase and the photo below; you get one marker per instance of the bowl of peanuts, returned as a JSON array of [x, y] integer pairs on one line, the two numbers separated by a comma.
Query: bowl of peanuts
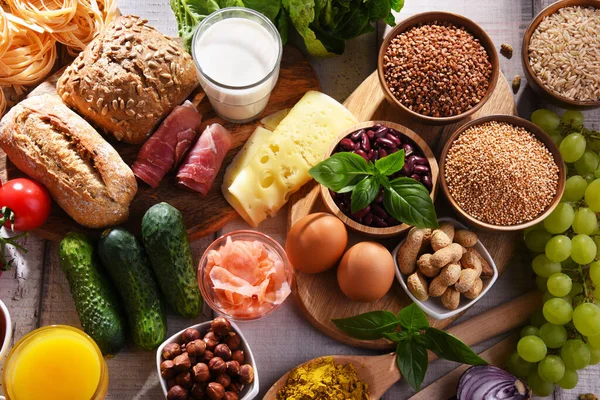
[[444, 271], [437, 67]]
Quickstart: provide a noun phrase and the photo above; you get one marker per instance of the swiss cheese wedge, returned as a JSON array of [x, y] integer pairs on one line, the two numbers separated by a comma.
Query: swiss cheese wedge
[[271, 167]]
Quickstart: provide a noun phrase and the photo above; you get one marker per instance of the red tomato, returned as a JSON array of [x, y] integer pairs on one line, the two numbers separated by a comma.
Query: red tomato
[[28, 200]]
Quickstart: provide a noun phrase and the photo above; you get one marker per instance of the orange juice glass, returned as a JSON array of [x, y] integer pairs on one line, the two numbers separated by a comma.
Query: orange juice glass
[[55, 362]]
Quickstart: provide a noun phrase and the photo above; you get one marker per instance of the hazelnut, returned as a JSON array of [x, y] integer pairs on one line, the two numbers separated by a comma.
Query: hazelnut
[[167, 369], [223, 351], [233, 367], [223, 379], [171, 382], [171, 351], [238, 356], [220, 326], [201, 372], [196, 348], [184, 380], [208, 355], [182, 362], [215, 391], [246, 374], [177, 393], [231, 396], [236, 387], [190, 334], [211, 340], [217, 366], [233, 340], [198, 391]]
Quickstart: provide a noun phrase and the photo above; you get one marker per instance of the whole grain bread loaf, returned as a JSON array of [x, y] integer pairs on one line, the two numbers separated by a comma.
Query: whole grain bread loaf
[[128, 79], [59, 149]]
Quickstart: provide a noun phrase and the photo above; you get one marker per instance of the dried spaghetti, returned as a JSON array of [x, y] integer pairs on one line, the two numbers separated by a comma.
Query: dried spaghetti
[[2, 102]]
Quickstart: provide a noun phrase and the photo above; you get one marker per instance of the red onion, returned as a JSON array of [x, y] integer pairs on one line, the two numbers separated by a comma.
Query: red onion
[[486, 382]]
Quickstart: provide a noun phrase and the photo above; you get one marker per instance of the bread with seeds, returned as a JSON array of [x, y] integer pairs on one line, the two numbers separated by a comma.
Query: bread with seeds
[[128, 79]]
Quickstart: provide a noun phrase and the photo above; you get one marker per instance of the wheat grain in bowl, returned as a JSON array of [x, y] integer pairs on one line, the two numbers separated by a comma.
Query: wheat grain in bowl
[[564, 53]]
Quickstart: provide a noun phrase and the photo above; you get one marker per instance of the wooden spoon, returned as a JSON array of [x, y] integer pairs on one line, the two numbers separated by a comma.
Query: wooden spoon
[[380, 372]]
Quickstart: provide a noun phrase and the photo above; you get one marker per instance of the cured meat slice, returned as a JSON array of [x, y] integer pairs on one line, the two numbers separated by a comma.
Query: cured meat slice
[[168, 145], [203, 162]]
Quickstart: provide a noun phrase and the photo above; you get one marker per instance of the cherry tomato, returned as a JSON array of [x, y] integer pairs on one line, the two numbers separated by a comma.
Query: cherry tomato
[[28, 200]]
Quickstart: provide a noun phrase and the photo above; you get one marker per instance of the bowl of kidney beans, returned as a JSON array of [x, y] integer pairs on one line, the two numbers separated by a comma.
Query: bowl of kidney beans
[[373, 140]]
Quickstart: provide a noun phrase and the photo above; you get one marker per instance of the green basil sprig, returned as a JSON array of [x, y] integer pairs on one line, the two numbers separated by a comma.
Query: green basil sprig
[[405, 199], [412, 342]]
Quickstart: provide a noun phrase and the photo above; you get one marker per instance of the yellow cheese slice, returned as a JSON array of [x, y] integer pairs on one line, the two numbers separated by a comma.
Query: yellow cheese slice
[[271, 121]]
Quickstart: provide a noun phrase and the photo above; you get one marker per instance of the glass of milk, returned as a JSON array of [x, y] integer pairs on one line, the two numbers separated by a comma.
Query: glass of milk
[[237, 52]]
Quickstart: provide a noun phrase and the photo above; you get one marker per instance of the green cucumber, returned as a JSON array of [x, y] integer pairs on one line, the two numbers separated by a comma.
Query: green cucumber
[[95, 298], [127, 265], [168, 247]]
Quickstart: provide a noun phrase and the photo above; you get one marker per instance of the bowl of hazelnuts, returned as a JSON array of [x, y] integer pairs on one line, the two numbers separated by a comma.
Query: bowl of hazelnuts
[[211, 360]]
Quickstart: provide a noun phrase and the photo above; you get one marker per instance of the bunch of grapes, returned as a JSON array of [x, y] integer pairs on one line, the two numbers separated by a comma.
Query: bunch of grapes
[[565, 335]]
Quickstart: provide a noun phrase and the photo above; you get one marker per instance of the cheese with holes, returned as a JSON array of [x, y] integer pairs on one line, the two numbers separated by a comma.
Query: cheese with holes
[[271, 121], [269, 169]]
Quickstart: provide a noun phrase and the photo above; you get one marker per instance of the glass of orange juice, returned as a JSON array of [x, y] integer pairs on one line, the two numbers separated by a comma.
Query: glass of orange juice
[[55, 362]]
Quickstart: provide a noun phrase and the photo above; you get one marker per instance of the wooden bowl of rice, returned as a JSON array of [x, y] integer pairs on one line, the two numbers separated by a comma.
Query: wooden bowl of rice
[[560, 47]]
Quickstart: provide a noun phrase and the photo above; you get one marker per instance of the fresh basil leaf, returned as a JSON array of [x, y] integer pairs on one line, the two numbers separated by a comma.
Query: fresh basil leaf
[[411, 358], [383, 180], [340, 170], [428, 342], [369, 326], [390, 164], [408, 201], [269, 8], [452, 348], [412, 318], [396, 336], [364, 193]]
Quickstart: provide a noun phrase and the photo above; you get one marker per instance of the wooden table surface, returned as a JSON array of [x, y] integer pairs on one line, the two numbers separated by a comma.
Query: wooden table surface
[[37, 293]]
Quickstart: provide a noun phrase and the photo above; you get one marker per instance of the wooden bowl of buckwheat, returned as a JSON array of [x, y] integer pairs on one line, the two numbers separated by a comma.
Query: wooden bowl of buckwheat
[[437, 67], [502, 173]]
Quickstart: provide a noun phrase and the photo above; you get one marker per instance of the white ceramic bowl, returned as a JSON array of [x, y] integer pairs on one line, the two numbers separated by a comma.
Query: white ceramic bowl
[[7, 334], [433, 306], [250, 391]]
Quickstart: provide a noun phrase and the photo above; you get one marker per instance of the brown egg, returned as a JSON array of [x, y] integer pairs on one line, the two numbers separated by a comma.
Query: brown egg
[[366, 272], [316, 242]]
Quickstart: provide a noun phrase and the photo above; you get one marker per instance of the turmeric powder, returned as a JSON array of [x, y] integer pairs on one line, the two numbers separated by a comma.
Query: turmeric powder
[[323, 379]]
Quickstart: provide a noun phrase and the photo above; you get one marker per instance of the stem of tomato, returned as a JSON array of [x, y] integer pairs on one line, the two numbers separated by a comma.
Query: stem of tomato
[[7, 215]]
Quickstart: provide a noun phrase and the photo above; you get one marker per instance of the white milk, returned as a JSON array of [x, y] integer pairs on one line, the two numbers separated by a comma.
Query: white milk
[[234, 56]]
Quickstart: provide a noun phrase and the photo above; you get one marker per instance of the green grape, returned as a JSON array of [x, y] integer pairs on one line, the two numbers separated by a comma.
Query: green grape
[[560, 219], [542, 266], [569, 379], [592, 143], [587, 163], [517, 366], [573, 118], [583, 250], [585, 221], [536, 240], [586, 319], [592, 195], [545, 119], [537, 318], [558, 248], [555, 136], [594, 341], [541, 283], [553, 335], [539, 386], [576, 289], [575, 354], [589, 177], [572, 147], [551, 369], [547, 296], [530, 330], [595, 272], [559, 284], [531, 348], [557, 311], [575, 188], [594, 355]]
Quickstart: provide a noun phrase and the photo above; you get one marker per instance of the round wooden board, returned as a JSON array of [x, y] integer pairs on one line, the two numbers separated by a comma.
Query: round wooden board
[[319, 296], [202, 215]]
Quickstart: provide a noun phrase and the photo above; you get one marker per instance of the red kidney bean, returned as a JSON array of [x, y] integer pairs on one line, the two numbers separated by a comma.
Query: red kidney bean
[[426, 179], [355, 137], [367, 219], [347, 144], [394, 139], [408, 149], [372, 155], [365, 143], [391, 221], [416, 177], [381, 131], [370, 134], [379, 222], [362, 153], [421, 169], [361, 213], [382, 153], [385, 142], [408, 167], [379, 198], [379, 211], [420, 160]]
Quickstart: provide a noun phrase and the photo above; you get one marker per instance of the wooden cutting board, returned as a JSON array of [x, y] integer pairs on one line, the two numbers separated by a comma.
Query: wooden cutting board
[[202, 215], [319, 296]]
